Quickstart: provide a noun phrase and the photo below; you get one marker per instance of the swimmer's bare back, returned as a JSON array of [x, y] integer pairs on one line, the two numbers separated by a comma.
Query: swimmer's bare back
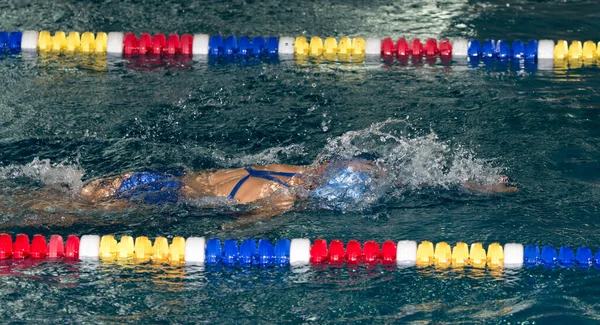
[[213, 183]]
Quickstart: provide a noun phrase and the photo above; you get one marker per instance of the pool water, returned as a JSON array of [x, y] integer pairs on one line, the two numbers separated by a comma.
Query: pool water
[[66, 119]]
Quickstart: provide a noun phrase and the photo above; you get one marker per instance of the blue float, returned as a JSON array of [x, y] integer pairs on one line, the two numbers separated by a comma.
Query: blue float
[[230, 46], [531, 50], [213, 251], [248, 254], [244, 46], [548, 255], [517, 51], [566, 256], [502, 50], [272, 45], [282, 252], [474, 49], [14, 41], [531, 255], [266, 253], [4, 41], [258, 46], [488, 50], [215, 45], [230, 252], [584, 256]]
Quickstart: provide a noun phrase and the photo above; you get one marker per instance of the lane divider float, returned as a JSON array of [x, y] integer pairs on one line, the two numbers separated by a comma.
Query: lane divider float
[[298, 251], [343, 49]]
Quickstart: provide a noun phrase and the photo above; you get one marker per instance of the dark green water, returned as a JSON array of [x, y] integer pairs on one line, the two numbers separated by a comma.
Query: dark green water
[[61, 116]]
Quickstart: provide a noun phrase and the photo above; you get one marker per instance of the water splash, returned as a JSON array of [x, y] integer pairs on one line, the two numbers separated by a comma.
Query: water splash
[[63, 175], [410, 159]]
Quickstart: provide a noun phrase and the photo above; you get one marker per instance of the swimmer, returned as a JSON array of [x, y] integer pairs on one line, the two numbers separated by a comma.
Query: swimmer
[[274, 189]]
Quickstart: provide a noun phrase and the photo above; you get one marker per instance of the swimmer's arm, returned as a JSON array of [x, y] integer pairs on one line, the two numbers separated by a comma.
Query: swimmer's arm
[[266, 209], [493, 188]]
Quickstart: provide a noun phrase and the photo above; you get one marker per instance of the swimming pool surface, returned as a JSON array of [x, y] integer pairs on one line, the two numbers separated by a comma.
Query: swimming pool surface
[[62, 117]]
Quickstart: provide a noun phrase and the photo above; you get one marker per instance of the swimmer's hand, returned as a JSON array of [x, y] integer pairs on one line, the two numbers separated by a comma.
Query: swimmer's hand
[[503, 185], [265, 209]]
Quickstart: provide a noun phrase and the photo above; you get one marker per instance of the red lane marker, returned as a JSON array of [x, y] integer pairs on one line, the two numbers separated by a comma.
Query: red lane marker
[[187, 44], [371, 251], [38, 248], [130, 44], [159, 41], [318, 251], [336, 252], [431, 48], [5, 246], [173, 44], [416, 48], [388, 252], [56, 248], [21, 247], [445, 47], [72, 249], [387, 47], [402, 48], [353, 252]]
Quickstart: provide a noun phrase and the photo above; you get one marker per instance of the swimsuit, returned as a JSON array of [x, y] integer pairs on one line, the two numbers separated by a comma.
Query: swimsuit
[[264, 174], [151, 187]]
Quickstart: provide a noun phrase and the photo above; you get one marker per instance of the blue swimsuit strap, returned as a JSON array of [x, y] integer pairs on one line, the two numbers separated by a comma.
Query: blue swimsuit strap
[[264, 174]]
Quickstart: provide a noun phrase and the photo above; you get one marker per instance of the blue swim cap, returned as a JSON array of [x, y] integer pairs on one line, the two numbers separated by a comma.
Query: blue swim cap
[[344, 187]]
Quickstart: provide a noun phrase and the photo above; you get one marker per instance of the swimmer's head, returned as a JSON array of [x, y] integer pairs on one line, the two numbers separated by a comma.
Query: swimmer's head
[[344, 183]]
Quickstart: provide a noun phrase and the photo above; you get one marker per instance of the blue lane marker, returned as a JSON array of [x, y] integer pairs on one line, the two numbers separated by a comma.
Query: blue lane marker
[[584, 256], [502, 50], [548, 255], [531, 255], [14, 41], [488, 50], [230, 47], [282, 252], [566, 257], [272, 45], [4, 41], [248, 255], [266, 253], [258, 46], [517, 51], [215, 45], [244, 46], [531, 50], [474, 49], [230, 252], [213, 251]]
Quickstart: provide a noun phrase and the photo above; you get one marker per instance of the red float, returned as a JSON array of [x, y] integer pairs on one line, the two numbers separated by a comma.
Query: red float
[[21, 247], [173, 44], [416, 48], [318, 251], [159, 42], [130, 44], [5, 246], [56, 248], [402, 48], [387, 47], [187, 44], [431, 48], [38, 247], [353, 252], [72, 248], [445, 47], [372, 254], [145, 45], [336, 252], [388, 252]]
